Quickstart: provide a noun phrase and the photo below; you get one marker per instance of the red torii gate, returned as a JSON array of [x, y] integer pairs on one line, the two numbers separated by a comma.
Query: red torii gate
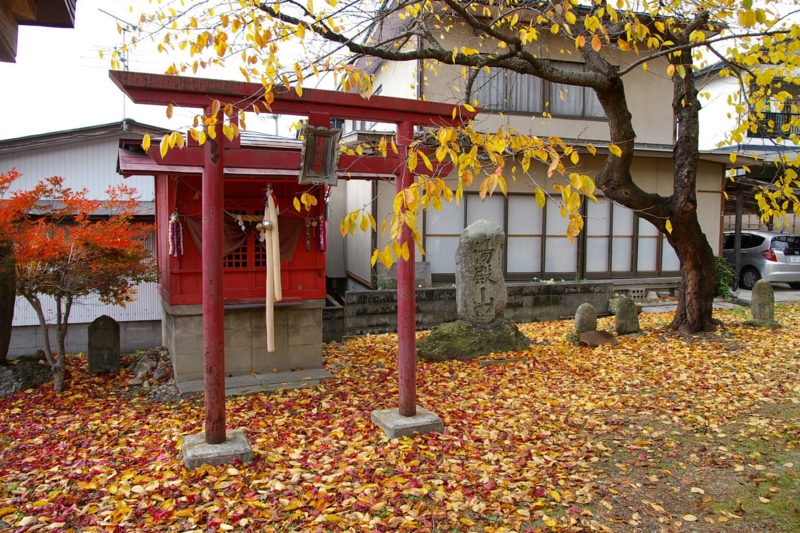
[[220, 153]]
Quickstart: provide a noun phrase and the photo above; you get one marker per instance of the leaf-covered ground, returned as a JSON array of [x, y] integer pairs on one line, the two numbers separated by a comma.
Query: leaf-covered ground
[[655, 434]]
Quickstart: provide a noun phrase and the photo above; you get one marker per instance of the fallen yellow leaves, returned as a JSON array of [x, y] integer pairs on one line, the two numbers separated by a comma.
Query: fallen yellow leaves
[[568, 439]]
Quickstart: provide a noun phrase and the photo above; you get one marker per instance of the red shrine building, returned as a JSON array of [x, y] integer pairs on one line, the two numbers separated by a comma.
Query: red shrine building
[[298, 317], [189, 191]]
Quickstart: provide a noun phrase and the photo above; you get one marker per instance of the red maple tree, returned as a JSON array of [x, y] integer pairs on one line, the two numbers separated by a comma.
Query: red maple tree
[[11, 211], [61, 250]]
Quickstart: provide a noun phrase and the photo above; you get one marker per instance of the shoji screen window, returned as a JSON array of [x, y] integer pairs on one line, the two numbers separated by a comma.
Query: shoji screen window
[[598, 229], [622, 239], [524, 235], [492, 208], [561, 256], [669, 259], [647, 260], [442, 230]]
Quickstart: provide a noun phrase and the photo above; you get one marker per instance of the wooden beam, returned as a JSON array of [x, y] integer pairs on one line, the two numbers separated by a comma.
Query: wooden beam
[[8, 34], [159, 89], [23, 9]]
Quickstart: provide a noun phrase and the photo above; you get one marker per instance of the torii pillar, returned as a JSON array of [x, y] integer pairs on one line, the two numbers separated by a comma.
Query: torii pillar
[[215, 445], [408, 418]]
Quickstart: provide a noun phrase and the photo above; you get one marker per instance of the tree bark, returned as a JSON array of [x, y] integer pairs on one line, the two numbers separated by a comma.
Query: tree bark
[[8, 296], [699, 276], [56, 364]]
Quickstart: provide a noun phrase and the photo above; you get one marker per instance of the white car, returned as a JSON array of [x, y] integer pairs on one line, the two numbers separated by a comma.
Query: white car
[[768, 255]]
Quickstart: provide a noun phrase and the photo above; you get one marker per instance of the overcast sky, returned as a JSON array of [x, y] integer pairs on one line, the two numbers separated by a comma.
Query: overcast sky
[[60, 82]]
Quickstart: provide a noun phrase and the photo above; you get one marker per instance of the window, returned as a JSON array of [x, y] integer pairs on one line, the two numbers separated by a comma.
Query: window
[[501, 90], [648, 246], [237, 258], [524, 234], [785, 243], [598, 231], [572, 101], [751, 241], [729, 242]]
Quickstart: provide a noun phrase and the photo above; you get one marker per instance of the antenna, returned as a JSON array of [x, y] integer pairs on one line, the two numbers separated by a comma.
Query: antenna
[[123, 58]]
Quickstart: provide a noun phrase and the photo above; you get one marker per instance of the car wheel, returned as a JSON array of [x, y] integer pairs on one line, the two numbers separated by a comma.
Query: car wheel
[[795, 285], [749, 277]]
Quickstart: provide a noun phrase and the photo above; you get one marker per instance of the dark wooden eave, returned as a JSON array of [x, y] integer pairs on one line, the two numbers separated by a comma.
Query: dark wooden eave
[[16, 13]]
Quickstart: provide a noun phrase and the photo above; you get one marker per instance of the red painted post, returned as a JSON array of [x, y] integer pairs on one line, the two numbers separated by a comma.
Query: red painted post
[[406, 301], [213, 311]]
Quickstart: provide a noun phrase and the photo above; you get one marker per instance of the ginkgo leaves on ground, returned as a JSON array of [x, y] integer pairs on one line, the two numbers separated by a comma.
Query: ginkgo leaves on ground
[[636, 437]]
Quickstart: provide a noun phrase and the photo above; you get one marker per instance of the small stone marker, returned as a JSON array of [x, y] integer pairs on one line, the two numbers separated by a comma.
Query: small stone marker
[[481, 293], [763, 301], [626, 317], [104, 350], [763, 306], [585, 318]]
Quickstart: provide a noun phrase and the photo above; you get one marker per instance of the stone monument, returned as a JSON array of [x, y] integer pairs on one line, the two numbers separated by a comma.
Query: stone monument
[[626, 317], [480, 301], [104, 350], [763, 306]]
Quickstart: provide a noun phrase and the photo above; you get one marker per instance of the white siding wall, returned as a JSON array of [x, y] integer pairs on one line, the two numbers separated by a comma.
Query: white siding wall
[[716, 114], [146, 306], [88, 164]]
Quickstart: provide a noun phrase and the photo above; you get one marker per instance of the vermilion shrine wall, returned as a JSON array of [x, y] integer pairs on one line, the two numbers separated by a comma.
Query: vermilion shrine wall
[[298, 318]]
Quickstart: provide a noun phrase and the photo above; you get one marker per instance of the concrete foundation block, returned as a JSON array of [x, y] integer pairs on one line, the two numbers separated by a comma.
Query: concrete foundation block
[[394, 425], [291, 385], [196, 452], [304, 318], [304, 336]]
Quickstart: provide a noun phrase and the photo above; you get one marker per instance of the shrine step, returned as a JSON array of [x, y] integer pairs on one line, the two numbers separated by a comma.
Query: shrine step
[[241, 385]]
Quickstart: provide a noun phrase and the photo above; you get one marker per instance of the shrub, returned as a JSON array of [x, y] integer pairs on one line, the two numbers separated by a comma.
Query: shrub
[[725, 277]]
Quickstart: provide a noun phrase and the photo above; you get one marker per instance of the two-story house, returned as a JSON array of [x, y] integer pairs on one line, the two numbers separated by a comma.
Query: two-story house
[[616, 243], [770, 139]]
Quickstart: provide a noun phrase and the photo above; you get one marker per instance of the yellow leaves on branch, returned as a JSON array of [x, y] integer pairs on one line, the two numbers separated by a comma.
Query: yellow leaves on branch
[[306, 199]]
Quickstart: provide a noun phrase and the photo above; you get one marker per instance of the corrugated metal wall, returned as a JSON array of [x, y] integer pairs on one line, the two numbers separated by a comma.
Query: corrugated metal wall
[[88, 164], [92, 165], [145, 307]]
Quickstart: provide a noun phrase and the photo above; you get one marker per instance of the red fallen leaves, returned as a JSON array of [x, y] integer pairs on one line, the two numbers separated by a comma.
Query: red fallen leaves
[[522, 449]]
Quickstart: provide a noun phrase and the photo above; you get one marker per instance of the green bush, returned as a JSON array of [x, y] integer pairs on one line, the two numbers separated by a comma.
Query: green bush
[[725, 277]]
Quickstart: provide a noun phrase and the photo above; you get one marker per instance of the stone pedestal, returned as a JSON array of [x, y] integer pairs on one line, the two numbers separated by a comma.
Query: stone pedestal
[[465, 340], [298, 338], [196, 452], [394, 425]]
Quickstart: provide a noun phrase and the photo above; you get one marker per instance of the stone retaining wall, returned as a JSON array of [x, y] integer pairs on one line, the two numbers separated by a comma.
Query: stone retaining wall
[[376, 311]]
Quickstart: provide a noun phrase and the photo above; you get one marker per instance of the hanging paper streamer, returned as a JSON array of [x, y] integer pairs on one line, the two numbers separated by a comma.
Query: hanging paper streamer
[[271, 239], [175, 236]]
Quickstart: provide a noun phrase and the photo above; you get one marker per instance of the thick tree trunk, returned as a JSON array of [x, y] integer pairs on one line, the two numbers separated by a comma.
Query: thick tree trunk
[[8, 293], [696, 293]]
